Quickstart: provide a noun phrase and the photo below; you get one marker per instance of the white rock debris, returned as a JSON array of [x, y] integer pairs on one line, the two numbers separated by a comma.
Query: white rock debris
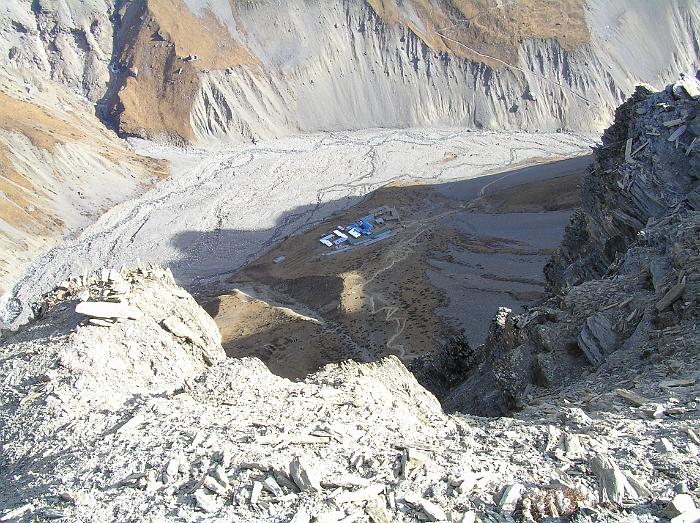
[[101, 309], [204, 188], [199, 418]]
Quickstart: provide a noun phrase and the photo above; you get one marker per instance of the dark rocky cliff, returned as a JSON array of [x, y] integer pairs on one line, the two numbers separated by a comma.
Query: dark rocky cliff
[[626, 278]]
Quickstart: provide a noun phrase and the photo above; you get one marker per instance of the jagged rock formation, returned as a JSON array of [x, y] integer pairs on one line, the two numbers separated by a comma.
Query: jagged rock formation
[[627, 276], [139, 416], [622, 194]]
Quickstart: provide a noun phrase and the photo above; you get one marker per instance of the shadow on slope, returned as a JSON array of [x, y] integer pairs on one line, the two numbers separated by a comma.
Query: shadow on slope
[[376, 300]]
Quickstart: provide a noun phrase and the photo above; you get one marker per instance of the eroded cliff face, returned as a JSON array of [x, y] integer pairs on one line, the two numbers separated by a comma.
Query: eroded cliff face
[[68, 42], [627, 276], [226, 70], [60, 170], [60, 167], [240, 71]]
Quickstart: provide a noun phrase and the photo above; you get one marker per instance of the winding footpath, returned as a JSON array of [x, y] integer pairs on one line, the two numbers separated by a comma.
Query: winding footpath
[[405, 246]]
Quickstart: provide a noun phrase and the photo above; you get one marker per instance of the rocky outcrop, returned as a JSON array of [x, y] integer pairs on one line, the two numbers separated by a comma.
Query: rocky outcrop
[[627, 276], [67, 42], [640, 174]]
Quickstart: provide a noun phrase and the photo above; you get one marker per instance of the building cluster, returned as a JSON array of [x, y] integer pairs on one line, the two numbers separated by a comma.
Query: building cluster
[[375, 225]]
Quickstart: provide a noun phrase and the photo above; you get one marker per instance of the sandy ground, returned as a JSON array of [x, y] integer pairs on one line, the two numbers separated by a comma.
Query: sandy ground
[[446, 269], [221, 209]]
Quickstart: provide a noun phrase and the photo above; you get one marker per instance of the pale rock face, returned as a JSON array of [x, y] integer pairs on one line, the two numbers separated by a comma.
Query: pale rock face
[[68, 40], [61, 168], [341, 67]]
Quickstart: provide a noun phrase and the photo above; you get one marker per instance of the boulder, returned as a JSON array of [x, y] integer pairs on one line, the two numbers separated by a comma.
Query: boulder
[[597, 338], [107, 309]]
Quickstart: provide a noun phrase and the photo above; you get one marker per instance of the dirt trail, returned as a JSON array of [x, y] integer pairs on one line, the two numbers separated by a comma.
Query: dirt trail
[[404, 246]]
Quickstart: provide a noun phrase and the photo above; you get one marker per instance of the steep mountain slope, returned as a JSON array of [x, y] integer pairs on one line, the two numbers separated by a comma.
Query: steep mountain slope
[[198, 70], [118, 402], [69, 42], [251, 70], [59, 167]]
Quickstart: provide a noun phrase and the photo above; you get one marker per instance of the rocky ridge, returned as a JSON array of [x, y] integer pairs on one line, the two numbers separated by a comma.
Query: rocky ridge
[[626, 277], [605, 428]]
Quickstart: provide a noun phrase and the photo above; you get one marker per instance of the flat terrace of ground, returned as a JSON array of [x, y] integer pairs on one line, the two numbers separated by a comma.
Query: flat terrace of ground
[[454, 258]]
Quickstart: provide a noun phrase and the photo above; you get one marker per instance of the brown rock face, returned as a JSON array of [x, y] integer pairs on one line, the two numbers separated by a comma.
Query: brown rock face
[[165, 48], [495, 32]]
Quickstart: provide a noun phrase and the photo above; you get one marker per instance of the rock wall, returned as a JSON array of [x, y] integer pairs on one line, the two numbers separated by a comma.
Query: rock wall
[[67, 41], [355, 64], [627, 276], [201, 70], [637, 177]]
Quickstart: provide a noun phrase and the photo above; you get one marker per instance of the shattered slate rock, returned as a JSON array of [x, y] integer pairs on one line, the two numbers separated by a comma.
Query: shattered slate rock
[[17, 513], [430, 509], [376, 510], [664, 446], [576, 419], [597, 339], [632, 397], [689, 84], [363, 494], [304, 475], [301, 516], [671, 297], [510, 497], [108, 310], [612, 483], [178, 328], [214, 486], [206, 502], [680, 504]]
